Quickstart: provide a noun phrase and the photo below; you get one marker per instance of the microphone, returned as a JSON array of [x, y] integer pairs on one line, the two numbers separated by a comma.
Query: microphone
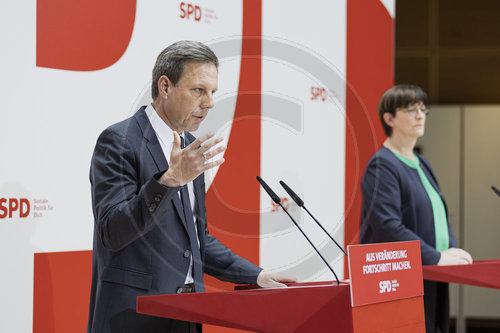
[[277, 200], [497, 191], [300, 203], [271, 193]]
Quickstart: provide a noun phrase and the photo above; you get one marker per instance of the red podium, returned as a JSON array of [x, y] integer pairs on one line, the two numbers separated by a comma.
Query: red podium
[[303, 307], [481, 273], [386, 297]]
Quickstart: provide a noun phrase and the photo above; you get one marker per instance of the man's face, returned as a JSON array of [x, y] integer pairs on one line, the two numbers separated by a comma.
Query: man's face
[[188, 102]]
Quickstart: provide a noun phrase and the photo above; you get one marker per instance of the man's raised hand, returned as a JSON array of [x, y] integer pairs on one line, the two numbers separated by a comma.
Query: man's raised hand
[[188, 163]]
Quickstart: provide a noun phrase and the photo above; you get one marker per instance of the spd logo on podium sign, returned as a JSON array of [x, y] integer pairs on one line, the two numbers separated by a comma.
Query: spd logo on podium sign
[[385, 272]]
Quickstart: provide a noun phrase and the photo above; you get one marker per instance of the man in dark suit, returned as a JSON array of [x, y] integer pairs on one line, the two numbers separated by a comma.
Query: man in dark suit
[[148, 196]]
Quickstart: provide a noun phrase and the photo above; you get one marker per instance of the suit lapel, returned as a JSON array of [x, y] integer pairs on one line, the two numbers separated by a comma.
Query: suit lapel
[[154, 148], [434, 184]]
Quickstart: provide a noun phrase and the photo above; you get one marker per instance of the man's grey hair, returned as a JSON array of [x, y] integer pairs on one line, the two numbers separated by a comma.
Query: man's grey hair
[[172, 60]]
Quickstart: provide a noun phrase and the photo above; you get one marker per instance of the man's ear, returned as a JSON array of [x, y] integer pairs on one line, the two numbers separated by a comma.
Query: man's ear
[[164, 85], [388, 119]]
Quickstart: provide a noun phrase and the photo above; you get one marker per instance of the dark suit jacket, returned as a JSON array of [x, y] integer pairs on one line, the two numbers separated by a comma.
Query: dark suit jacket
[[396, 207], [141, 244]]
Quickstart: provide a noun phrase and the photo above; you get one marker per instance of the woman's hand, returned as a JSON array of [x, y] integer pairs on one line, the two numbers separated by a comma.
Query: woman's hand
[[454, 256]]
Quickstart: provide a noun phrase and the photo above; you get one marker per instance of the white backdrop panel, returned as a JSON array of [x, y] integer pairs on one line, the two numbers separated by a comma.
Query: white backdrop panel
[[303, 132], [50, 122]]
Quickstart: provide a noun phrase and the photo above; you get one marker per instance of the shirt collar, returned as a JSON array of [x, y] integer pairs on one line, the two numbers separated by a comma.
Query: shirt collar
[[162, 130]]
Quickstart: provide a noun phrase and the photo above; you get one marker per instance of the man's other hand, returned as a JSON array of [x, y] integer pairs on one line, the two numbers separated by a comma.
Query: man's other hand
[[269, 279]]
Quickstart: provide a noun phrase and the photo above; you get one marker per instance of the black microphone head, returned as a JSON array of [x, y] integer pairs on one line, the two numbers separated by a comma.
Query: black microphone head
[[271, 193], [294, 196], [497, 191]]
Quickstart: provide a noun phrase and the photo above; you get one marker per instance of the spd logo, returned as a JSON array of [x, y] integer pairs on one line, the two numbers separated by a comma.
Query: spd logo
[[322, 94], [190, 11], [14, 207]]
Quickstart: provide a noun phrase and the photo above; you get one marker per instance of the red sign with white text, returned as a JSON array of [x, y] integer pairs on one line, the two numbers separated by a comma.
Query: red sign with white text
[[384, 272]]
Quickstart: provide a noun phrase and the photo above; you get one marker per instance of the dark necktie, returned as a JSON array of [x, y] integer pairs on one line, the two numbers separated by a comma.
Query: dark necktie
[[193, 238]]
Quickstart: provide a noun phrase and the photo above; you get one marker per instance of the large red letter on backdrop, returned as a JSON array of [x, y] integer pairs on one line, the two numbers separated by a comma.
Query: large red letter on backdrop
[[82, 35]]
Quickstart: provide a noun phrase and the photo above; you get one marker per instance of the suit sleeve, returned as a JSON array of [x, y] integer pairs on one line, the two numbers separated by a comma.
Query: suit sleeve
[[223, 264], [220, 261], [382, 196], [124, 209]]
